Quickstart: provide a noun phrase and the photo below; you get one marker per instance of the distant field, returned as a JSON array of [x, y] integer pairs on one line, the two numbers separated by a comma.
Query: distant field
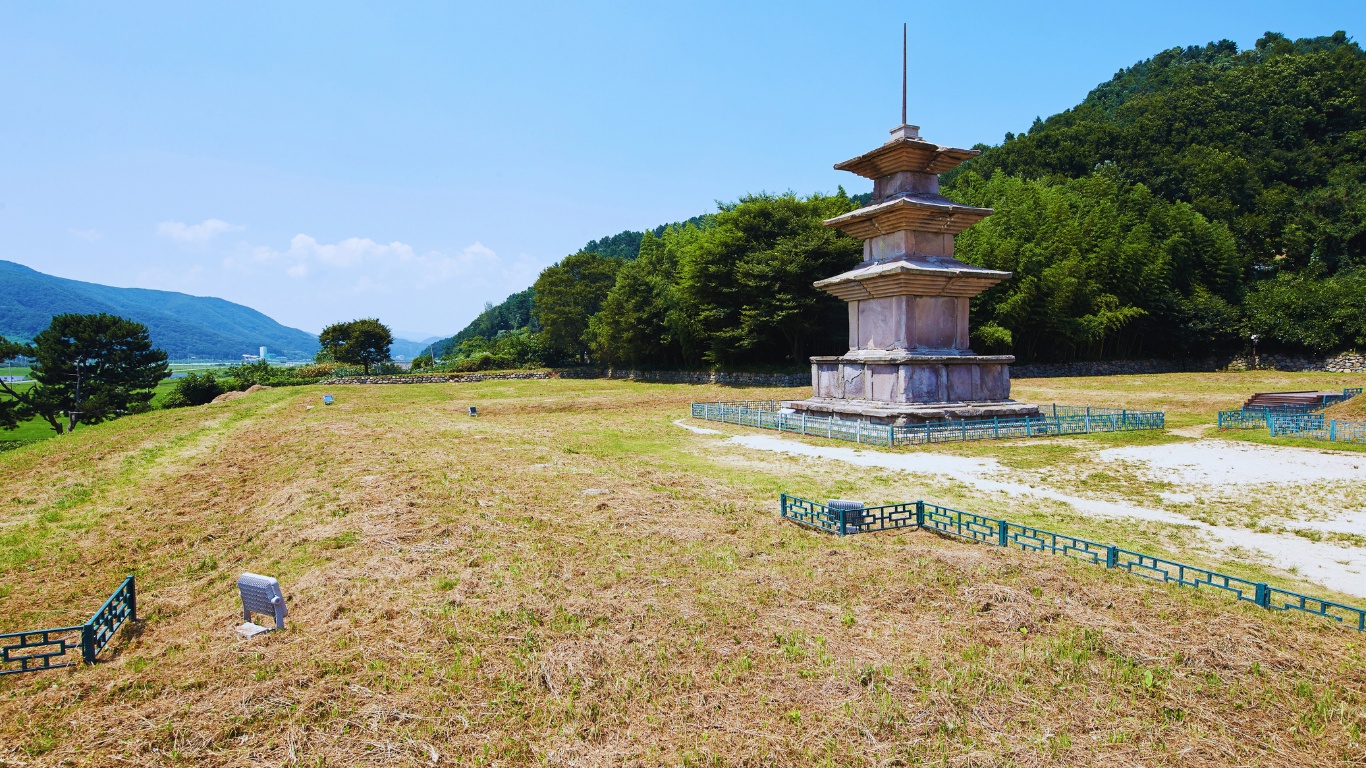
[[38, 429], [570, 578]]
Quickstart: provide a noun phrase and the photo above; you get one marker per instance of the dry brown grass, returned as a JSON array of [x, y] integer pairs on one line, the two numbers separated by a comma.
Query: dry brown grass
[[463, 591], [1348, 410]]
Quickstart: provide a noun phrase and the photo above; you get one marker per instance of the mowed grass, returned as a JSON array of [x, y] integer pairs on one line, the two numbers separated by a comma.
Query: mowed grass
[[570, 579]]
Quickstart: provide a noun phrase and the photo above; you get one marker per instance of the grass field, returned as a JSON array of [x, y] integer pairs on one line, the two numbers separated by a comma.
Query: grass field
[[571, 579]]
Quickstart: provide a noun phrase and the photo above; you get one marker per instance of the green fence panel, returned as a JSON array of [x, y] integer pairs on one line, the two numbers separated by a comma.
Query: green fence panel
[[924, 515], [42, 649]]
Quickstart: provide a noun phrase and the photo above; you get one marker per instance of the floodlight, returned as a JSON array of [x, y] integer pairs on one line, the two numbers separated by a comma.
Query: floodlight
[[260, 594]]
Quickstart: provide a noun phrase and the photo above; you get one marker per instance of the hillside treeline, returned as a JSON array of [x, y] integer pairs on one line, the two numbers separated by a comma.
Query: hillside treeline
[[1197, 198]]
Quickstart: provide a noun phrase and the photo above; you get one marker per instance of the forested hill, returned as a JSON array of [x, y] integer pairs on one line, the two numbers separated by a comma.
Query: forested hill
[[183, 325], [1269, 141], [1196, 198], [515, 311]]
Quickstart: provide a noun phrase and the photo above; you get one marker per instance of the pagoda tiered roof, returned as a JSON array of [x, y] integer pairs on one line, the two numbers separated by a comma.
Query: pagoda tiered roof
[[922, 212], [907, 154], [915, 275]]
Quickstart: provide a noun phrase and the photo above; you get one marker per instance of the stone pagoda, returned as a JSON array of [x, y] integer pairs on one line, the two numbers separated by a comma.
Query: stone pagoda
[[909, 360]]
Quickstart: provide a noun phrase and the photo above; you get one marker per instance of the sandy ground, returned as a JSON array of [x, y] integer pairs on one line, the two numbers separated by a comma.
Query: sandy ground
[[1192, 466], [1221, 463]]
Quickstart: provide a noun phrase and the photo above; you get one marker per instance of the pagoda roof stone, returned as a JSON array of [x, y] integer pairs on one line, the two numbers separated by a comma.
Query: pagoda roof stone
[[921, 212], [915, 275], [906, 154]]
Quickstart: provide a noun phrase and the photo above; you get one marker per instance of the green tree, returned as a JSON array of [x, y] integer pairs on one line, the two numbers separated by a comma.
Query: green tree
[[423, 362], [567, 295], [640, 322], [363, 342], [1102, 268], [10, 407], [88, 369], [747, 280], [1304, 312]]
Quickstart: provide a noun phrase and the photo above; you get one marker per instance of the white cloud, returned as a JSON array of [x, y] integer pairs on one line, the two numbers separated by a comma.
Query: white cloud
[[202, 232], [308, 282], [350, 252]]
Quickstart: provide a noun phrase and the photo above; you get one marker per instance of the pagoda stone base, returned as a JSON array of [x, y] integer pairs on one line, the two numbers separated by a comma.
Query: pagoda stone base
[[876, 412], [900, 388]]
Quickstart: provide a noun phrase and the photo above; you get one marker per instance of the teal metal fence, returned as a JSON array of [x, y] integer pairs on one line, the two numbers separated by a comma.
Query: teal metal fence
[[41, 649], [1315, 427], [1054, 420], [1003, 533]]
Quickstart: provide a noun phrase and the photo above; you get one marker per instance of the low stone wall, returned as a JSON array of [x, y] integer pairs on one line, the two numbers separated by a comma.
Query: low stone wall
[[441, 378], [665, 377], [728, 378], [1347, 362]]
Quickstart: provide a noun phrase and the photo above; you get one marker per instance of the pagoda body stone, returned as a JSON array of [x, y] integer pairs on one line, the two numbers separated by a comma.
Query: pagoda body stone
[[909, 358]]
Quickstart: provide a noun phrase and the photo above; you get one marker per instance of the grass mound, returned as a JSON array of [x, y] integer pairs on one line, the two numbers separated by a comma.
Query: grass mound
[[571, 579], [1347, 410]]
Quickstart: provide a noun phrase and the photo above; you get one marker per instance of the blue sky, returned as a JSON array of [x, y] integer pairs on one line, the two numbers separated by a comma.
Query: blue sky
[[321, 162]]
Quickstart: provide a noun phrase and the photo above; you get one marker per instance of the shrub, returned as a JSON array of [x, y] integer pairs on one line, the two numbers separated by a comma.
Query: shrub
[[322, 371], [194, 389]]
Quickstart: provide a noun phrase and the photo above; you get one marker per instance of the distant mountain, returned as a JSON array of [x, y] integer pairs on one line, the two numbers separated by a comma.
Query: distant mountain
[[403, 349], [183, 325]]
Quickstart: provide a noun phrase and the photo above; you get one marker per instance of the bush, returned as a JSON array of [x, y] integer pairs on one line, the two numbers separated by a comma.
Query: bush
[[194, 389], [323, 370], [423, 362]]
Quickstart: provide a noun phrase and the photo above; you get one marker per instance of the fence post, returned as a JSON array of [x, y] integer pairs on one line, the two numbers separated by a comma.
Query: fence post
[[1263, 596], [920, 514], [1028, 432], [891, 435], [996, 427], [784, 505], [843, 519], [1111, 556], [858, 432], [1333, 430], [1002, 532], [88, 643], [132, 598], [803, 423], [1088, 419]]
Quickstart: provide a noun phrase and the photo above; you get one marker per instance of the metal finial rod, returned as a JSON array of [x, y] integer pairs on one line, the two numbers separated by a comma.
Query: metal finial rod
[[903, 73]]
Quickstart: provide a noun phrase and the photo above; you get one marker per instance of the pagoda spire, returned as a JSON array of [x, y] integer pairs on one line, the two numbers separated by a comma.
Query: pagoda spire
[[903, 73]]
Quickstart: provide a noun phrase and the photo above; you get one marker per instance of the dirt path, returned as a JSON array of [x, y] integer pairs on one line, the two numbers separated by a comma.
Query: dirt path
[[1342, 568]]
